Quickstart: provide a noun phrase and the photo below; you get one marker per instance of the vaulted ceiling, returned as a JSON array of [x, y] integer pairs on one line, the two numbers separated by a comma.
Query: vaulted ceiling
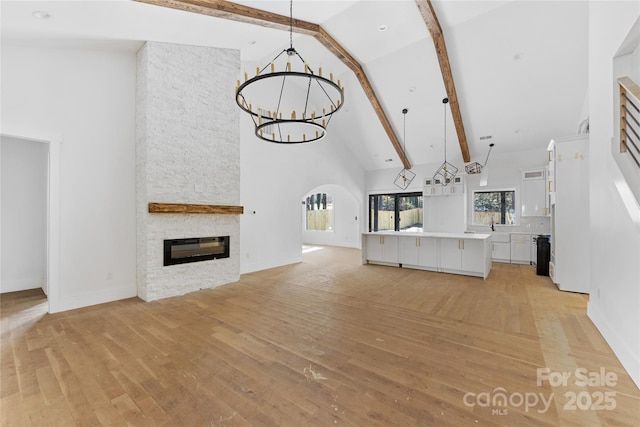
[[519, 67]]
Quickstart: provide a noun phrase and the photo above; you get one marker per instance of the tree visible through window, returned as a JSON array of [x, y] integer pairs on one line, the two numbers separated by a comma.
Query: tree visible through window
[[395, 212], [319, 212], [498, 206]]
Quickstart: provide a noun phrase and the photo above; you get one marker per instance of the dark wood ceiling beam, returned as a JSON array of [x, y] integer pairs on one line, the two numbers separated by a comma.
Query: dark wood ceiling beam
[[248, 15], [430, 18]]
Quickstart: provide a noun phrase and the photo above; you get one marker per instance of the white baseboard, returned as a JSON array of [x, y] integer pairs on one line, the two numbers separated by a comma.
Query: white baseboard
[[100, 297], [626, 356], [259, 266], [15, 285]]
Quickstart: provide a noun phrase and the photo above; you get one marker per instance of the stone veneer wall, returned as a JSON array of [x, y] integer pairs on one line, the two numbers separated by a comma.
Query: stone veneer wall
[[187, 151]]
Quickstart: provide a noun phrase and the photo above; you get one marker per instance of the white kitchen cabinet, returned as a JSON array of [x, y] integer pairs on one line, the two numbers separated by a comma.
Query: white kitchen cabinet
[[434, 187], [418, 252], [473, 255], [446, 252], [569, 266], [501, 252], [521, 248], [533, 193], [458, 255], [382, 249]]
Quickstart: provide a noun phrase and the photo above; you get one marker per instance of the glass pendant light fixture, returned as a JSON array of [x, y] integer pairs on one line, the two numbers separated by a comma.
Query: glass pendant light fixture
[[405, 176], [446, 172], [289, 103]]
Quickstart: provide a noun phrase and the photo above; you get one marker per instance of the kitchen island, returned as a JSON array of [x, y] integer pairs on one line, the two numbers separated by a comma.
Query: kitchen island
[[458, 253]]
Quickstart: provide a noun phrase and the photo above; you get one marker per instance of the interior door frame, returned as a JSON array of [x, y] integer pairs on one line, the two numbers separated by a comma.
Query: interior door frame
[[53, 142]]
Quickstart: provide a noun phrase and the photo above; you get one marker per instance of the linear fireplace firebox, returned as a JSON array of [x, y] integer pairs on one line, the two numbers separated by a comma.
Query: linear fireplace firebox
[[181, 251]]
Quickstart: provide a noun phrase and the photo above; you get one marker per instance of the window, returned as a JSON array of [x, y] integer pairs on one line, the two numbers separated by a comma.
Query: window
[[496, 205], [395, 212], [319, 212]]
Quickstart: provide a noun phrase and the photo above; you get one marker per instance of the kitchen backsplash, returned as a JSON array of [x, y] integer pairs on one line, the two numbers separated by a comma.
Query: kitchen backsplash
[[533, 225]]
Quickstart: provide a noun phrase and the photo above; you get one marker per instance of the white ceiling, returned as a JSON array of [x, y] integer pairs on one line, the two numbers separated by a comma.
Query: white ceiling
[[520, 67]]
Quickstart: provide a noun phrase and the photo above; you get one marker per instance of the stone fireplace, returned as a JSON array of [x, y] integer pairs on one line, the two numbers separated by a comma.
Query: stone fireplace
[[187, 151]]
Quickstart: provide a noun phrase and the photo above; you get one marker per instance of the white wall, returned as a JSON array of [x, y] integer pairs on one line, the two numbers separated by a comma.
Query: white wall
[[274, 179], [87, 97], [24, 204], [614, 306], [346, 220]]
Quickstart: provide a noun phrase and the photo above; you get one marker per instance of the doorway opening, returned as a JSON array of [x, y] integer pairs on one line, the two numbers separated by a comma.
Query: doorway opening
[[29, 217]]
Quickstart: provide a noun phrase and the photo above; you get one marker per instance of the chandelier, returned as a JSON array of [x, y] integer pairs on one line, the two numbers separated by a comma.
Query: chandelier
[[446, 171], [289, 103], [405, 176]]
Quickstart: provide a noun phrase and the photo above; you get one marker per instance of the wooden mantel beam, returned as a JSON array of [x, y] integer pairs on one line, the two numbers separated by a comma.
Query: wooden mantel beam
[[430, 18], [248, 15]]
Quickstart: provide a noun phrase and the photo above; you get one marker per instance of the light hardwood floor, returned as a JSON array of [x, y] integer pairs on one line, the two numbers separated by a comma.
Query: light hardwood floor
[[322, 343]]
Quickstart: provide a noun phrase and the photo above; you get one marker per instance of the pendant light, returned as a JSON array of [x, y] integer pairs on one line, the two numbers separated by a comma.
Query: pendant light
[[446, 172], [475, 167], [405, 176], [289, 103]]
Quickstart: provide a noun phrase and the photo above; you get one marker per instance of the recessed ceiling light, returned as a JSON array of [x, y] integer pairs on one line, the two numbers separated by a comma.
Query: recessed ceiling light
[[518, 56], [388, 160], [251, 42], [41, 14], [382, 27], [412, 89]]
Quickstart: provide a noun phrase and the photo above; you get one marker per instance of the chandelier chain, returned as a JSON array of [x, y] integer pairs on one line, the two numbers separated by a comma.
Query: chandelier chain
[[291, 24]]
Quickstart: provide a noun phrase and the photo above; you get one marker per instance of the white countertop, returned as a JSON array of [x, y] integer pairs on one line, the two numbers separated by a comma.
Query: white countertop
[[476, 236]]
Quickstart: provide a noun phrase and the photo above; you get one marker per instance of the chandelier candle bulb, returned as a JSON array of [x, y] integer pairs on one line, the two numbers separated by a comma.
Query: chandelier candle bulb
[[306, 68], [288, 138], [246, 76], [293, 115], [258, 70], [331, 76], [304, 137], [320, 71], [289, 66], [317, 135], [273, 67]]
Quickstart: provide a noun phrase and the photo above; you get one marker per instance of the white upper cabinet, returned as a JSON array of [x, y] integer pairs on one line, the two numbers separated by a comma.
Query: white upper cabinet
[[533, 193], [434, 187]]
